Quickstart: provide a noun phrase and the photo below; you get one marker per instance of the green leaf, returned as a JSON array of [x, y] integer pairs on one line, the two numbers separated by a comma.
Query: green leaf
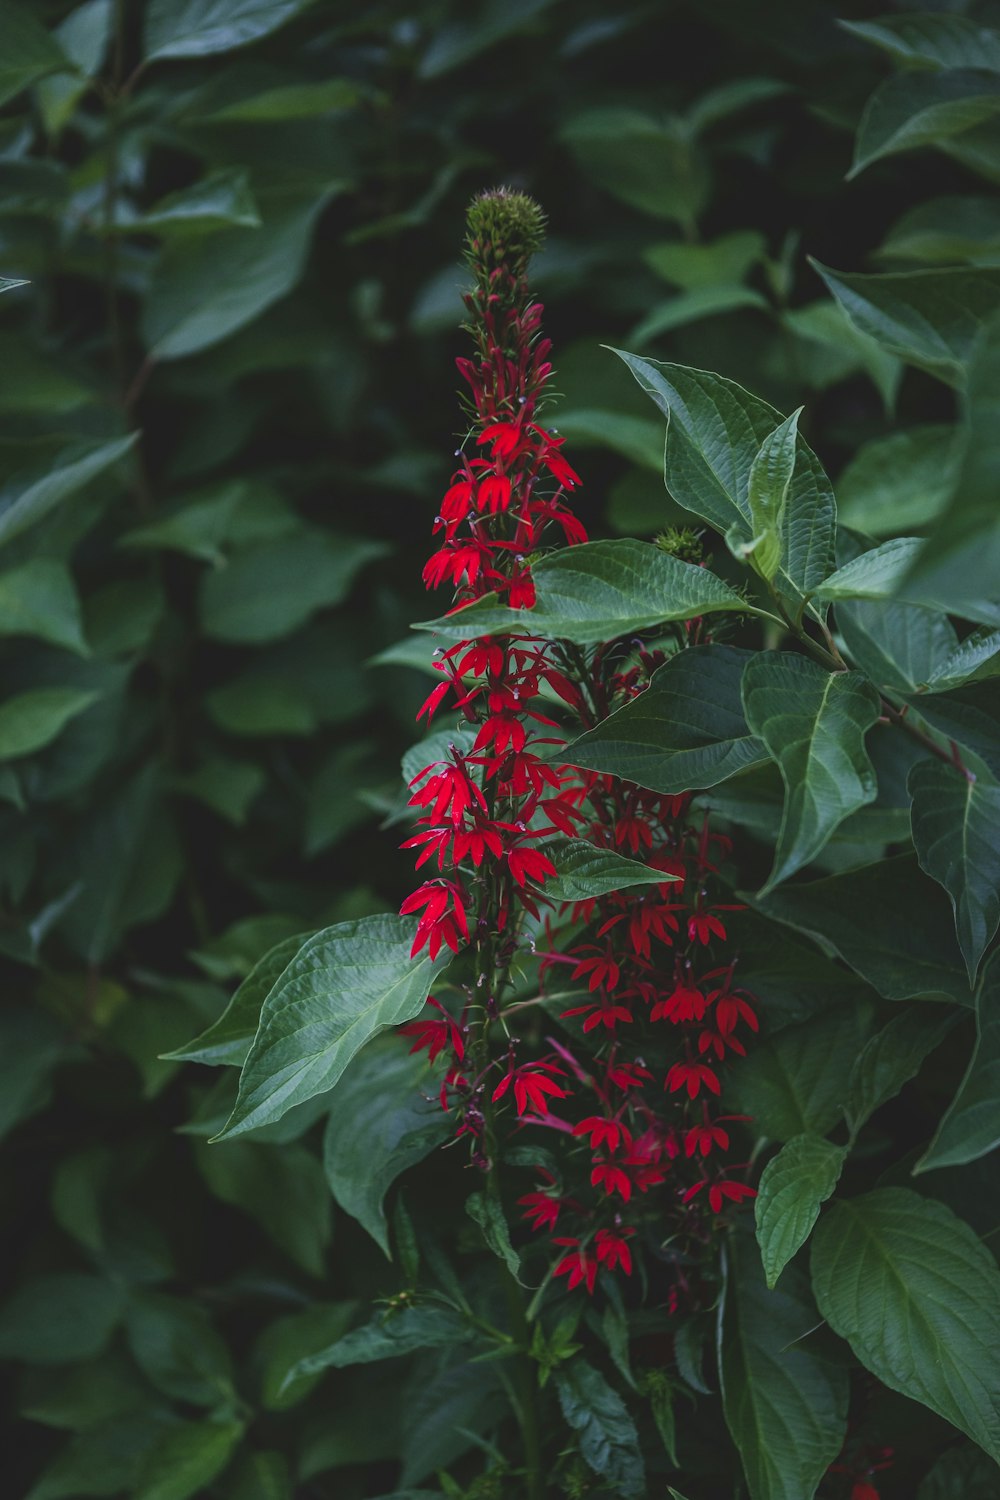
[[59, 1319], [23, 505], [605, 1432], [795, 1082], [176, 1347], [792, 1187], [888, 922], [956, 833], [289, 1340], [931, 319], [960, 1474], [83, 37], [944, 231], [343, 986], [727, 259], [785, 1407], [922, 108], [384, 1119], [890, 1059], [597, 592], [485, 1211], [917, 1296], [29, 52], [932, 38], [186, 1460], [651, 164], [281, 1188], [714, 432], [446, 1409], [767, 491], [32, 1045], [228, 787], [583, 870], [898, 646], [208, 287], [39, 599], [874, 575], [258, 704], [833, 350], [106, 1460], [267, 592], [813, 723], [197, 28], [899, 482], [970, 1126], [388, 1336], [639, 439], [220, 200], [970, 715], [686, 730], [292, 101], [976, 657], [34, 719], [690, 307]]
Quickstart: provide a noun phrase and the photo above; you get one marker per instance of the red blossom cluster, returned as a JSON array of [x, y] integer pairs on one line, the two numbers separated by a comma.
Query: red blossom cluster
[[644, 975]]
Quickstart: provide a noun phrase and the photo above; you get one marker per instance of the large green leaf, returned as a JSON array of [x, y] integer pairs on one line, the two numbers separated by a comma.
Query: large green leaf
[[605, 1431], [584, 870], [290, 1339], [384, 1119], [59, 1318], [923, 108], [39, 599], [387, 1336], [891, 1058], [176, 1346], [186, 1459], [196, 28], [715, 430], [971, 1124], [29, 52], [969, 715], [343, 986], [206, 288], [932, 319], [686, 730], [898, 646], [899, 482], [888, 922], [267, 592], [793, 1186], [956, 833], [597, 592], [218, 201], [648, 162], [23, 505], [227, 1041], [33, 719], [813, 723], [917, 1296], [785, 1407], [795, 1082], [934, 39]]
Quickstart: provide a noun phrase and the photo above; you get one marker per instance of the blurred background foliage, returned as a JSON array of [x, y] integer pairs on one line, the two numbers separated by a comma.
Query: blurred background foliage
[[232, 231]]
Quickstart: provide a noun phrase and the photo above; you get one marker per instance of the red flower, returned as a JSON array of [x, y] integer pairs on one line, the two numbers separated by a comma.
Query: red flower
[[435, 1034], [578, 1265], [531, 1085], [703, 1137], [612, 1248], [703, 926], [685, 1004], [610, 1133], [542, 1208], [691, 1076], [719, 1192], [529, 864], [612, 1178], [438, 925]]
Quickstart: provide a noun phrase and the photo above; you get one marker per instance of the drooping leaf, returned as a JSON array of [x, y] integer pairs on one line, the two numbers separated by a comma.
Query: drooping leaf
[[956, 833], [931, 319], [383, 1120], [921, 108], [267, 592], [917, 1296], [935, 39], [387, 1336], [813, 723], [890, 1059], [795, 1082], [197, 28], [970, 1126], [714, 432], [597, 592], [39, 599], [686, 730], [786, 1408], [29, 50], [23, 505], [888, 922], [605, 1431], [344, 985], [793, 1186], [60, 1318], [33, 719]]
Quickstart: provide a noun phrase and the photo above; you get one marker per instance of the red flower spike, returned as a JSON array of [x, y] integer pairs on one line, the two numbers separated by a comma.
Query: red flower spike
[[531, 1086], [612, 1178], [602, 1132], [612, 1248], [436, 1033], [691, 1076], [542, 1209], [578, 1265]]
